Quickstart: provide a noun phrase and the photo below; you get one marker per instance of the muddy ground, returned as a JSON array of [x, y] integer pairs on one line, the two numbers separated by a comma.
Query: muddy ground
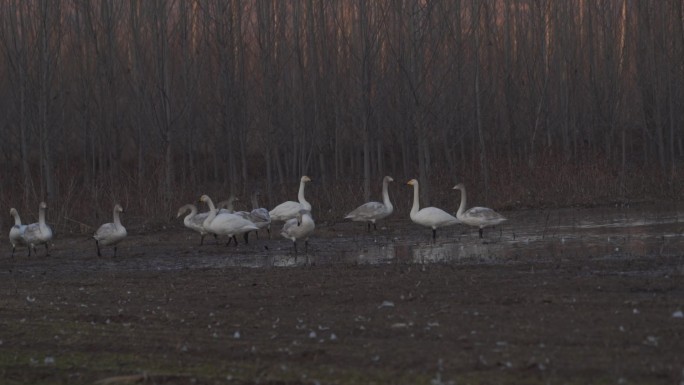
[[167, 311]]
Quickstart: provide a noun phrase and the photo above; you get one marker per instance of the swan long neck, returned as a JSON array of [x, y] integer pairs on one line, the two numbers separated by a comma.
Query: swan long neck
[[416, 204], [193, 212], [117, 220], [212, 213], [17, 219], [462, 207], [385, 196], [300, 195], [41, 219]]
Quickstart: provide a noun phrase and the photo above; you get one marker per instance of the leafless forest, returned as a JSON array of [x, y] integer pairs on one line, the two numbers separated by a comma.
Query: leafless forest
[[152, 103]]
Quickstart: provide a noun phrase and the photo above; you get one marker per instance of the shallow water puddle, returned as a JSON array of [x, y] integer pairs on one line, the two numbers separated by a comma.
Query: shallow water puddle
[[528, 235]]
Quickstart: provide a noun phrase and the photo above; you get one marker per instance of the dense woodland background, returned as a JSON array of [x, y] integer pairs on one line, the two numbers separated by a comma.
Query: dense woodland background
[[152, 103]]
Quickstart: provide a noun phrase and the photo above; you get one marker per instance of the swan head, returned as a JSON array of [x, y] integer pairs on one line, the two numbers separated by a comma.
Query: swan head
[[43, 205], [204, 198], [118, 208], [13, 212], [306, 179], [412, 182], [388, 179], [459, 186]]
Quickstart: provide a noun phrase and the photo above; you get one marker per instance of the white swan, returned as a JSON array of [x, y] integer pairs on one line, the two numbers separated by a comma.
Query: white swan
[[299, 227], [373, 211], [38, 233], [477, 216], [429, 216], [193, 220], [110, 234], [225, 223], [16, 234], [288, 210]]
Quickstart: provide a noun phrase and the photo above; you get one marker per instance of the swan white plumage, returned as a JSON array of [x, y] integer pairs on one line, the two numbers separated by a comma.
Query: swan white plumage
[[194, 220], [288, 210], [110, 234], [429, 216], [39, 233], [299, 227], [16, 234], [373, 211], [225, 223], [477, 216]]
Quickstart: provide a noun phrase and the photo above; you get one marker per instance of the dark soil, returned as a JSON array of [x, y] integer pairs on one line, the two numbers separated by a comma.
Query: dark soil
[[156, 315]]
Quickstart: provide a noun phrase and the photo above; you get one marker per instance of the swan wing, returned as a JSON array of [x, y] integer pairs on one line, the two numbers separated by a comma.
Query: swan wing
[[288, 228], [482, 216], [294, 230], [260, 217], [231, 224], [32, 234], [197, 223], [285, 211], [369, 211], [109, 234], [434, 217]]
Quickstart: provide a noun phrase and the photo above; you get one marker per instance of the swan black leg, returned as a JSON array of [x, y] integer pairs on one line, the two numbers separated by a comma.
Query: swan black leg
[[114, 251], [13, 251], [306, 247], [481, 233], [98, 248], [369, 226], [47, 250], [246, 236], [201, 239], [269, 231], [375, 226], [257, 233], [434, 234], [295, 247]]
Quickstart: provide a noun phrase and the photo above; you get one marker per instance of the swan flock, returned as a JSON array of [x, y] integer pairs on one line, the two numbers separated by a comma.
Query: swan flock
[[222, 221]]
